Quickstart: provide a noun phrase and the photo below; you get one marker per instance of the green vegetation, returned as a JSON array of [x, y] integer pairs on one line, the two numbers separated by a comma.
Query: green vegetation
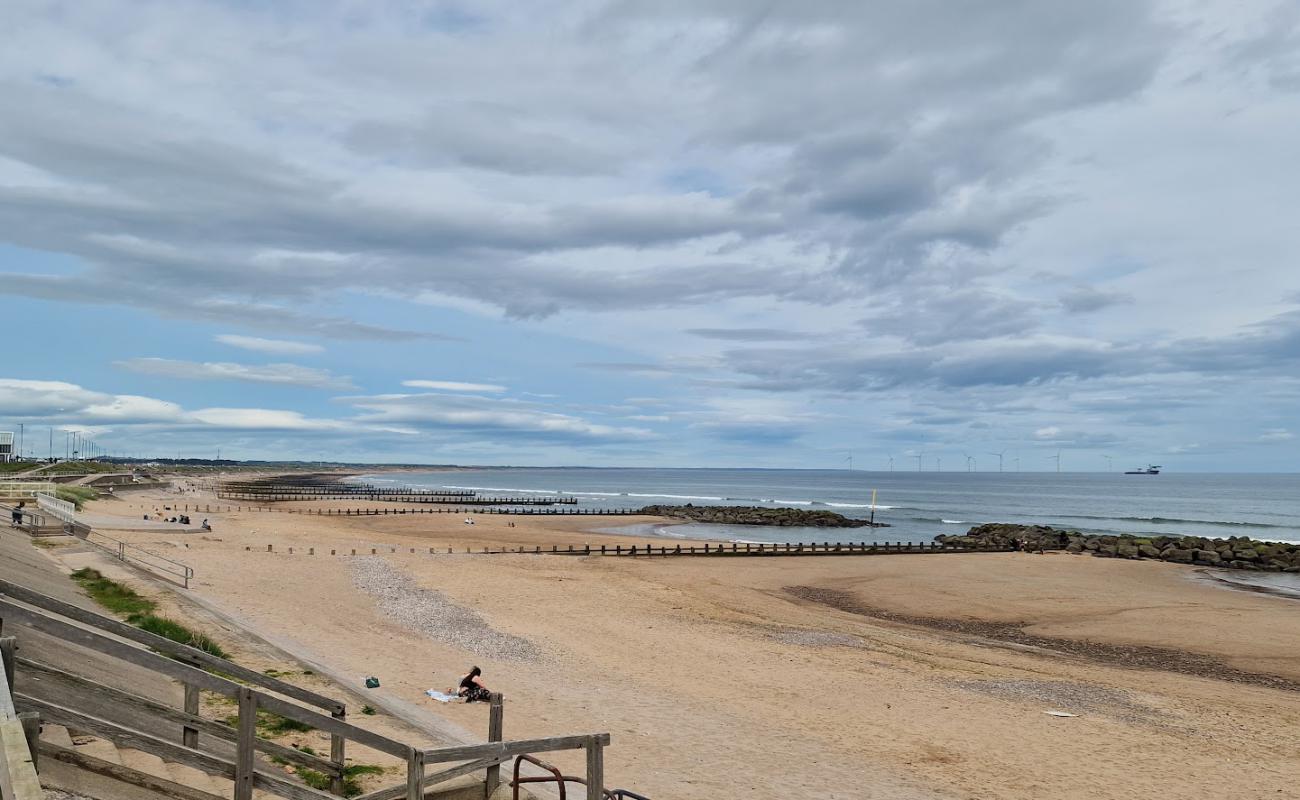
[[138, 610], [308, 749], [77, 495], [351, 786], [116, 597], [369, 711], [81, 468], [276, 725], [270, 725], [16, 466], [171, 629]]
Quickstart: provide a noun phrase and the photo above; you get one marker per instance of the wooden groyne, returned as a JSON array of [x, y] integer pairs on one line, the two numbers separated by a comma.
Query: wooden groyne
[[206, 508], [706, 550], [416, 498]]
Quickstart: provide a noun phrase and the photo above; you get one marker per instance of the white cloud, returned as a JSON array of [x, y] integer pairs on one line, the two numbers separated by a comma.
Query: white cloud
[[1276, 435], [280, 374], [508, 418], [280, 347], [455, 386]]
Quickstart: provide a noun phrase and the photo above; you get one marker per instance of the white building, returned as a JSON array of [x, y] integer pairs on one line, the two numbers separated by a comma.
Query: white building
[[6, 446]]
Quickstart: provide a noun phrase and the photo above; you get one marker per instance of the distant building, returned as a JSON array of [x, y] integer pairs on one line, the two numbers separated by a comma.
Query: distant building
[[6, 446]]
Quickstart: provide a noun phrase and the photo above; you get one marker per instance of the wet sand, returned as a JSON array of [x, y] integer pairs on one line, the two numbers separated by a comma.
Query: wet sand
[[855, 677]]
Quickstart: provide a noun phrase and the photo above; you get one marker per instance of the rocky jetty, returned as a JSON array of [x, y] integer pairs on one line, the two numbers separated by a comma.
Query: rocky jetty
[[1236, 552], [757, 515]]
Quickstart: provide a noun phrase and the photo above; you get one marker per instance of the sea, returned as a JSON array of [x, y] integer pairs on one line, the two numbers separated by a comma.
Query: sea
[[917, 506]]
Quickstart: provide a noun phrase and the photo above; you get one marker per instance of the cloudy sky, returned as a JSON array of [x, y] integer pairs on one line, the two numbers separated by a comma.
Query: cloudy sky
[[706, 233]]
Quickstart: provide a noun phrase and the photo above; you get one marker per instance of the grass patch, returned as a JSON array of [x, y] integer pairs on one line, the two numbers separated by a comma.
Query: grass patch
[[77, 495], [369, 711], [276, 725], [351, 786], [171, 629], [270, 725], [138, 610], [116, 597]]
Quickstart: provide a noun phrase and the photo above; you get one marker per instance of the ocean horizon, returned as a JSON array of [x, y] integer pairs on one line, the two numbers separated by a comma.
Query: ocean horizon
[[917, 506]]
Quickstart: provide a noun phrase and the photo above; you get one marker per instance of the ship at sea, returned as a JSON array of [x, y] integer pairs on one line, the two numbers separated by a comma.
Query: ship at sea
[[1151, 469]]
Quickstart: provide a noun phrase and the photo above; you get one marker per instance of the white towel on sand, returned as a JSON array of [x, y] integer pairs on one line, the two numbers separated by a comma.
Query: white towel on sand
[[442, 697]]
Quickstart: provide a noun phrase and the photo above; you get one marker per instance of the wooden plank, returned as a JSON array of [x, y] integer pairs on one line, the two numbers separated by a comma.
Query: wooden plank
[[186, 673], [128, 737], [507, 750], [244, 746], [330, 725], [595, 770], [8, 646], [415, 775], [287, 788], [124, 774], [110, 696], [18, 779], [338, 758], [31, 722], [190, 735], [191, 655], [495, 720], [398, 792]]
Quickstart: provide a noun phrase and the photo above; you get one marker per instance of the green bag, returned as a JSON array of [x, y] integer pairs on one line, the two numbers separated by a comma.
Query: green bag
[[372, 683]]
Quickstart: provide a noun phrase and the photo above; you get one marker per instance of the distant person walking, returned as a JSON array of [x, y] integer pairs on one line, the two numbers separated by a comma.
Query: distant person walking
[[17, 515]]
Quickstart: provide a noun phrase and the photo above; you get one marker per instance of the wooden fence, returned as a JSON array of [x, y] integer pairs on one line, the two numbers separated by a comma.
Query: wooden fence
[[90, 706], [208, 508], [716, 550]]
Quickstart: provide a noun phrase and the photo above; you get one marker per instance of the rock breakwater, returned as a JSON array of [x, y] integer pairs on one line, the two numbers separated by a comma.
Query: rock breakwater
[[1235, 552], [758, 515]]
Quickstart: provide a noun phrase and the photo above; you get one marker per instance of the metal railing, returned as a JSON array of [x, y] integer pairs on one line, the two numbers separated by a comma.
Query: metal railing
[[134, 554], [561, 781], [22, 489], [59, 509]]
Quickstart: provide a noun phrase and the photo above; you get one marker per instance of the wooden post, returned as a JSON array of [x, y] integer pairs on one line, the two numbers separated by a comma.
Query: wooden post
[[190, 736], [495, 713], [595, 770], [8, 645], [337, 755], [415, 775], [31, 722], [245, 744]]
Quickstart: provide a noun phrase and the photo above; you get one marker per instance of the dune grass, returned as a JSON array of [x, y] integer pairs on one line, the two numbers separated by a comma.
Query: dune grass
[[139, 611], [77, 495]]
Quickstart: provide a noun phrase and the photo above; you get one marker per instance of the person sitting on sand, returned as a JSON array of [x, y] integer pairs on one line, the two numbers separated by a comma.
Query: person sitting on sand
[[472, 687], [207, 526]]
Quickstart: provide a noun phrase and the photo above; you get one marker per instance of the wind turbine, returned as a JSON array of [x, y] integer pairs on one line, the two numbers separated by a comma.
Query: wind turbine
[[918, 461], [850, 462], [999, 455], [1108, 460], [1016, 461], [891, 463], [1056, 458], [970, 460], [938, 463]]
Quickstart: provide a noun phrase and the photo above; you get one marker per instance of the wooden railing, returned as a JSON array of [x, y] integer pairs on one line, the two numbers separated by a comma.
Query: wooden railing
[[91, 706], [160, 565]]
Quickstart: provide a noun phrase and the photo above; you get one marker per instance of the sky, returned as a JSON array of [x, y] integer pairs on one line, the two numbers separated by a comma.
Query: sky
[[706, 233]]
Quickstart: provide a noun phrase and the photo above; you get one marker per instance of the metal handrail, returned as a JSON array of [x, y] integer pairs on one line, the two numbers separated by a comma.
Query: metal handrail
[[560, 779], [127, 552]]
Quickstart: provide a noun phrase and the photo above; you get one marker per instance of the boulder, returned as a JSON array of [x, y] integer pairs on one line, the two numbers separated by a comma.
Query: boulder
[[1179, 555], [1204, 557]]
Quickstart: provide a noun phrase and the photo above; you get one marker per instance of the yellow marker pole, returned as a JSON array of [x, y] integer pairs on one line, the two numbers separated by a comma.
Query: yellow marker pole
[[873, 508]]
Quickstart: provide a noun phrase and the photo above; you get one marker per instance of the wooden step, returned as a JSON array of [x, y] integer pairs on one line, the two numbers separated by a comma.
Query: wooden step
[[102, 749], [148, 763], [56, 734], [196, 778]]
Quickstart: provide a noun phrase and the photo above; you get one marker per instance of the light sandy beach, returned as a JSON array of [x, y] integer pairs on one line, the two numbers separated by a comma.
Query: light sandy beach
[[864, 677]]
